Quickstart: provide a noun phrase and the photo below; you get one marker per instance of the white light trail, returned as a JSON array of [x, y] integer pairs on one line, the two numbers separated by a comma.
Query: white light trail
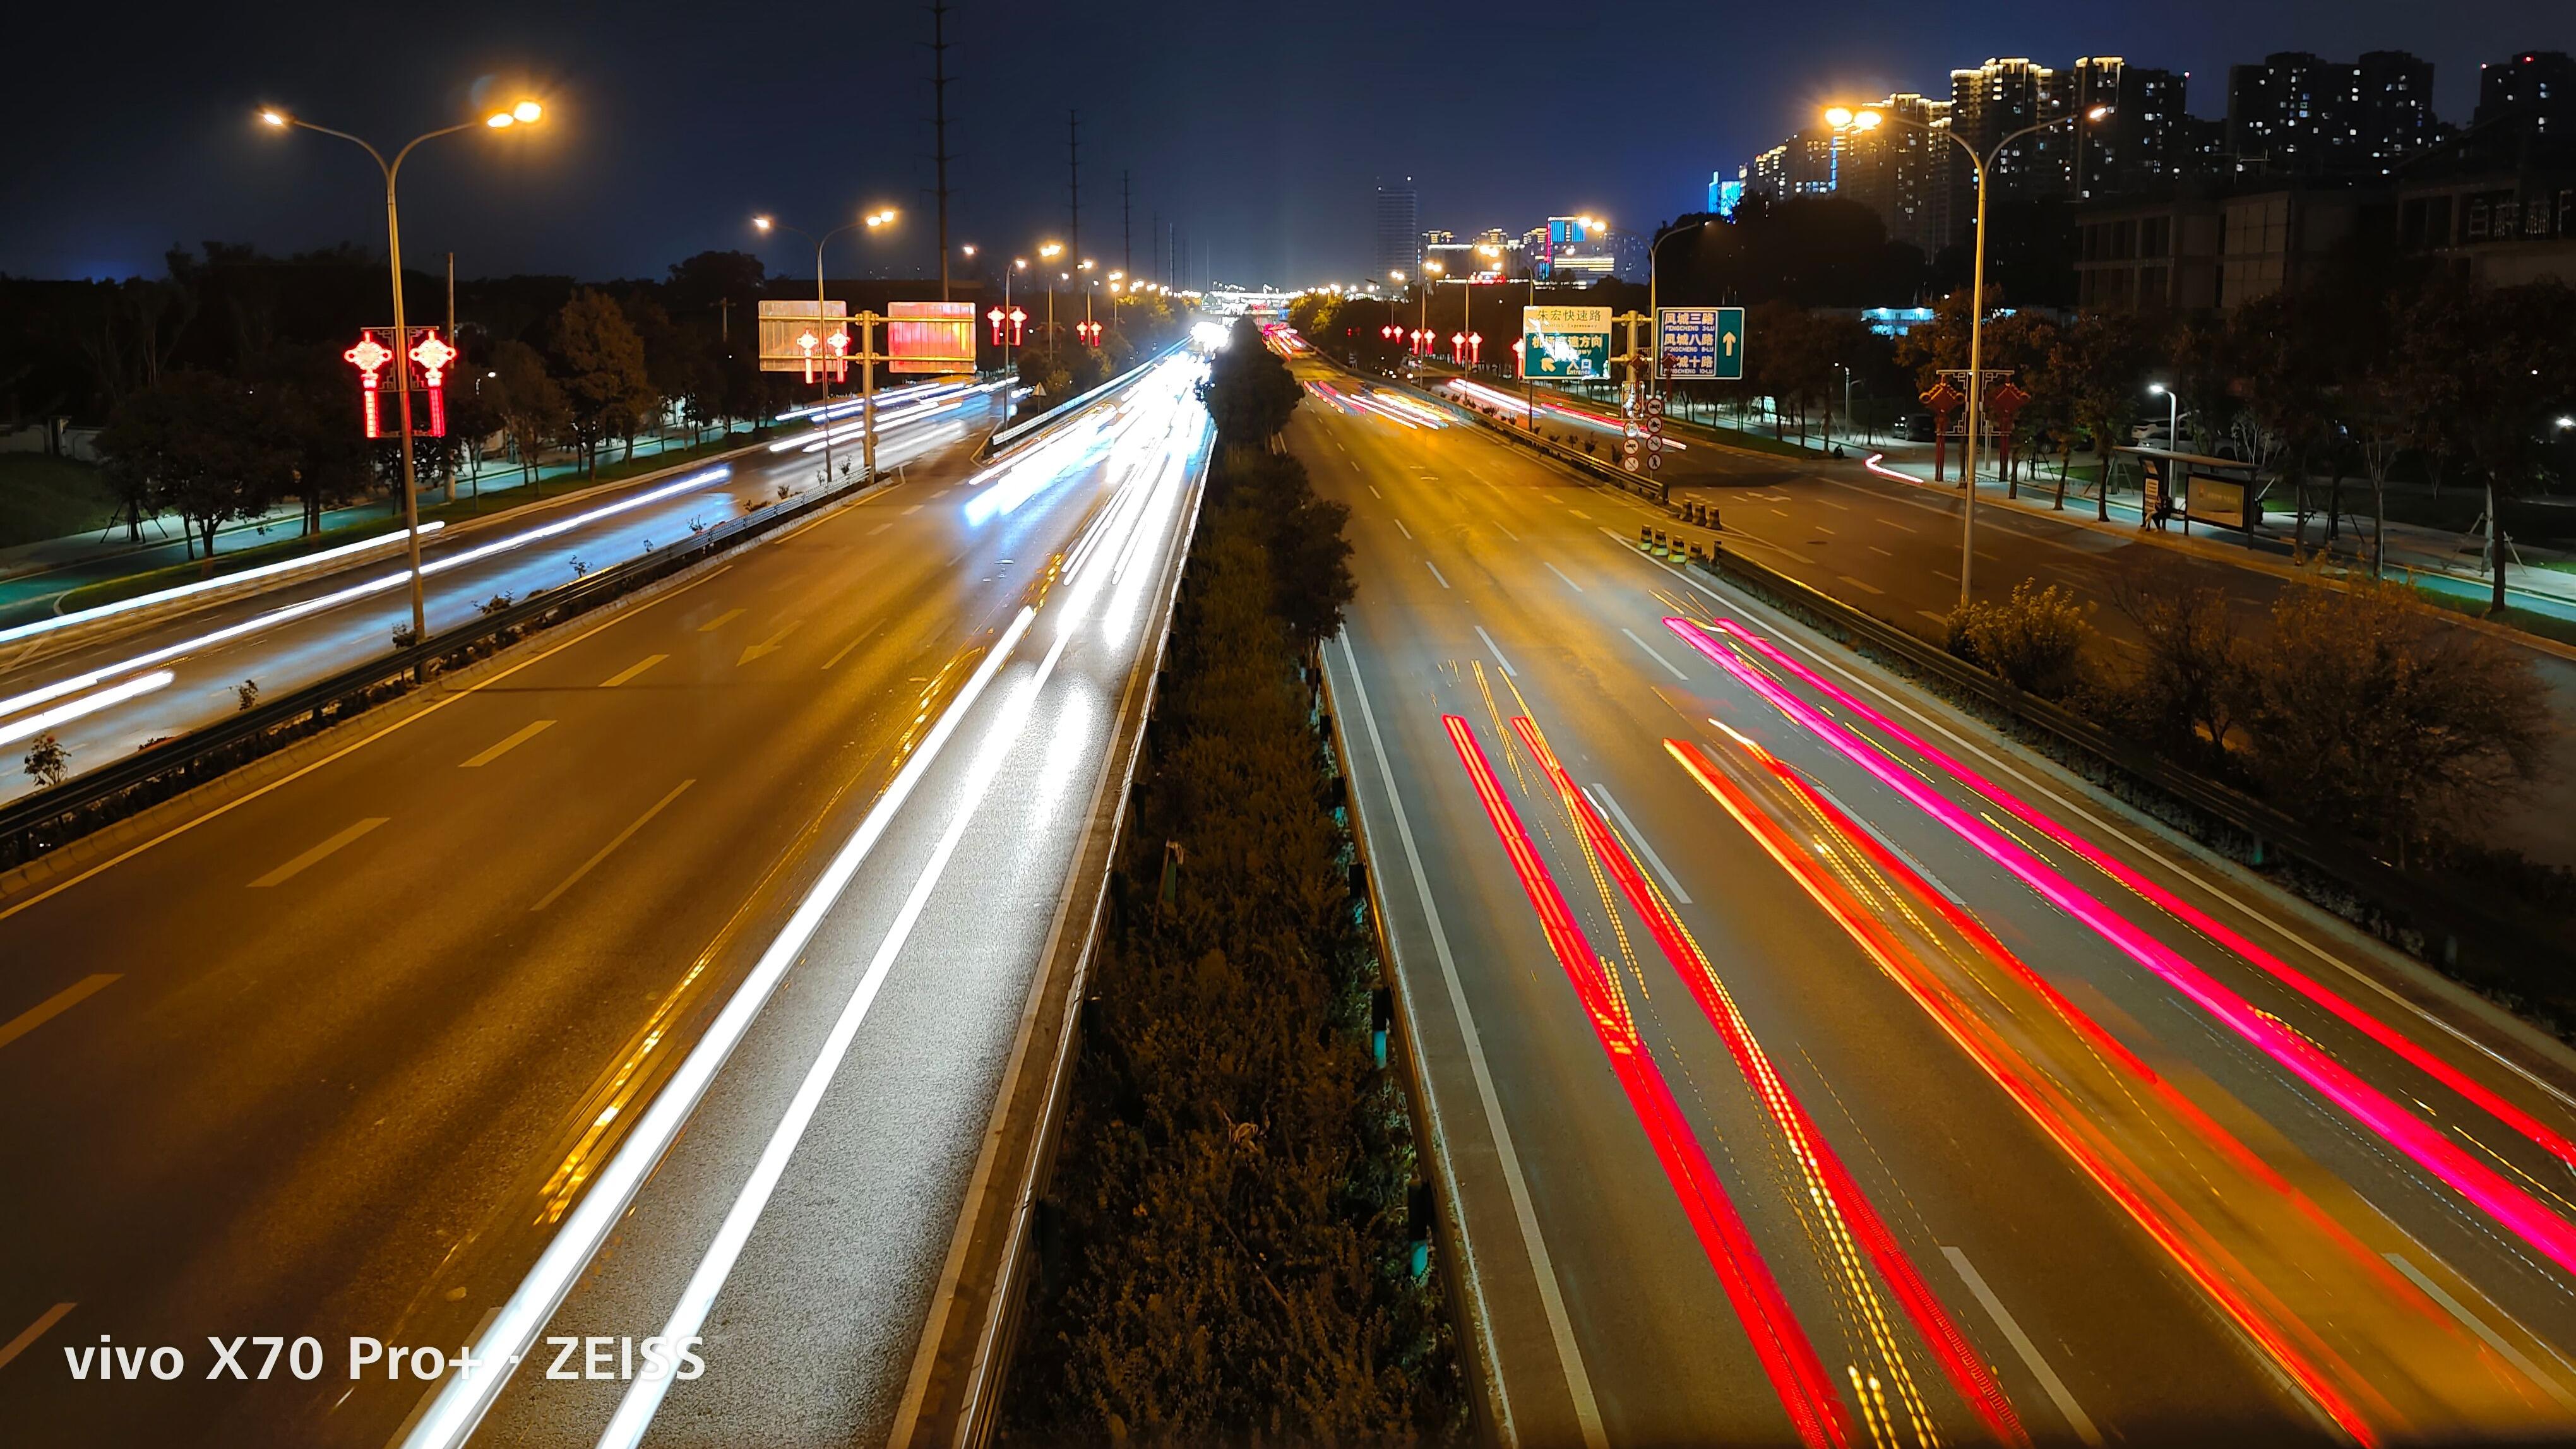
[[290, 612], [462, 1403], [223, 581], [36, 724]]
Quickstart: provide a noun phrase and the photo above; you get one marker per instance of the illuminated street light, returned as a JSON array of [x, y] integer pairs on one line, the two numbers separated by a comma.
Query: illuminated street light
[[867, 407], [523, 114], [1866, 120]]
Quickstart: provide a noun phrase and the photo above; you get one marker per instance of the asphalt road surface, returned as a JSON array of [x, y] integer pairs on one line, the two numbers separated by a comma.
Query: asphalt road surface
[[284, 638], [1891, 548], [1811, 1067], [379, 1039]]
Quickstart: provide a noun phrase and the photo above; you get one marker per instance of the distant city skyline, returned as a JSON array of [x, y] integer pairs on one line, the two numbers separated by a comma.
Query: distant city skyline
[[672, 126]]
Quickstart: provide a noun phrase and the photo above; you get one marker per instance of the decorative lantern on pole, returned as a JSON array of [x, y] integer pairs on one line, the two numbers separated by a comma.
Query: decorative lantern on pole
[[1943, 400], [2002, 402]]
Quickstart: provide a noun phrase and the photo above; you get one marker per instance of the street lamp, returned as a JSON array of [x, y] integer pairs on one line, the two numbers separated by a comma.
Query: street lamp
[[867, 408], [1422, 294], [1868, 120], [525, 113], [1049, 251]]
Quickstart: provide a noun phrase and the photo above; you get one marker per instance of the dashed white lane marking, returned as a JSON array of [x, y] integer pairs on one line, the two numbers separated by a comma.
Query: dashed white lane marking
[[1636, 837], [631, 670], [1560, 573], [1508, 671], [36, 1016], [310, 858], [526, 733], [32, 1332], [1658, 658], [1435, 572], [2076, 1418], [623, 836], [1400, 528]]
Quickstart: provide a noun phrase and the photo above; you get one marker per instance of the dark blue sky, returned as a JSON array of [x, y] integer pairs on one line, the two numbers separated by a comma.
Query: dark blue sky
[[1261, 127]]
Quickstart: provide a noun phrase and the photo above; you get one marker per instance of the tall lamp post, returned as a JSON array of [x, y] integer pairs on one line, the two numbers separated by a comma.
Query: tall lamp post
[[870, 222], [1430, 279], [1842, 117], [525, 113], [1654, 308], [1047, 252]]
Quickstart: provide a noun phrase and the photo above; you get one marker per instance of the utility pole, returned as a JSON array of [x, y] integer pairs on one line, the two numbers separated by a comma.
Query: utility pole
[[939, 129], [1126, 225], [1073, 173], [451, 341]]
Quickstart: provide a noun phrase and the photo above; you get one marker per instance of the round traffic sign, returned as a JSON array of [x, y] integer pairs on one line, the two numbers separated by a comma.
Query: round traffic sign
[[1654, 405], [1628, 446], [1654, 460], [1628, 463]]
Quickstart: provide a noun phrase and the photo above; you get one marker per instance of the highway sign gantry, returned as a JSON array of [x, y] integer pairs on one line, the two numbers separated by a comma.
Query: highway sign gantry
[[1700, 344], [1565, 342]]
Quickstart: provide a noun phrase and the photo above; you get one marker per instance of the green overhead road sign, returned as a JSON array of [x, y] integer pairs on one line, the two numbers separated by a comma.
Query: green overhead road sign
[[1703, 344], [1565, 342]]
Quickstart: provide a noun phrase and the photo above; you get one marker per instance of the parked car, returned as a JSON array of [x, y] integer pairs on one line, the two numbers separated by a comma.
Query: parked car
[[1914, 427]]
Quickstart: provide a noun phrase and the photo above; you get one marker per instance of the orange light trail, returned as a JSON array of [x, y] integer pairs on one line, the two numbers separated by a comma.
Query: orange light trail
[[2427, 1147], [2316, 991], [1780, 1345], [2101, 1161]]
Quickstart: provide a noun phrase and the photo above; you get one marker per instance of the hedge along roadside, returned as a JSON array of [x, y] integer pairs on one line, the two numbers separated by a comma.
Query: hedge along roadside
[[1235, 1220]]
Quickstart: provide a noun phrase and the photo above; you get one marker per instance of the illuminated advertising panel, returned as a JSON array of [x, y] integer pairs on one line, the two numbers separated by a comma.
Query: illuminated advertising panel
[[793, 339], [930, 336]]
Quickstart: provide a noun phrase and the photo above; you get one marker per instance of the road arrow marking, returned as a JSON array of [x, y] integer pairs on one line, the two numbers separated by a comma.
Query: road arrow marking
[[768, 645]]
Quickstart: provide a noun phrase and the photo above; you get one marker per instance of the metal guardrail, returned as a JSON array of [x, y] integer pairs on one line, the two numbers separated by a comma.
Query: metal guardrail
[[36, 824], [49, 818], [2463, 930]]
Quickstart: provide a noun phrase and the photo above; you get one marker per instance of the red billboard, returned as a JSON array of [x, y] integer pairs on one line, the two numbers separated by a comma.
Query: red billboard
[[930, 336]]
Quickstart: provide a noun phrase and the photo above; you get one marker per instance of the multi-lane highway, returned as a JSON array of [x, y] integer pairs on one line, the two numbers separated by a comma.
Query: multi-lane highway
[[1891, 548], [111, 679], [661, 971], [1808, 1066]]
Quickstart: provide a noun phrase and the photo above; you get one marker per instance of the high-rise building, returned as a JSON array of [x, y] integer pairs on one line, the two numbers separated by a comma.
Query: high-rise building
[[1900, 169], [2537, 86], [1399, 230], [2297, 114], [2001, 97], [2137, 144]]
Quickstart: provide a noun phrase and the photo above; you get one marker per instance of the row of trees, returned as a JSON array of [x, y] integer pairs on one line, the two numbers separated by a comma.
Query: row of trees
[[214, 446], [1234, 1260]]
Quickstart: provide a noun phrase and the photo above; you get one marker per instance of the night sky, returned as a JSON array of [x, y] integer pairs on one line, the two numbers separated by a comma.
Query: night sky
[[1260, 127]]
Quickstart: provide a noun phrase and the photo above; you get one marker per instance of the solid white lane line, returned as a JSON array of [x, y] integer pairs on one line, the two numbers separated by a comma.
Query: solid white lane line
[[2029, 1351], [1560, 573], [719, 621], [292, 868], [1601, 795], [1578, 1380], [462, 1403], [49, 1008], [1400, 528], [1508, 671], [623, 836], [32, 1332], [2504, 1348], [1669, 667], [1435, 572], [630, 671], [528, 732]]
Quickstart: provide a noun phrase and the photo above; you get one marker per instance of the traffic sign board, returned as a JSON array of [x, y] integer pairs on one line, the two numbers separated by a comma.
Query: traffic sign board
[[1654, 460], [1655, 407], [1700, 343], [1628, 463], [1565, 342]]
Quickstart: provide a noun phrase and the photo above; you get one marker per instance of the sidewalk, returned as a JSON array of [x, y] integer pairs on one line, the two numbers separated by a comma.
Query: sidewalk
[[34, 577]]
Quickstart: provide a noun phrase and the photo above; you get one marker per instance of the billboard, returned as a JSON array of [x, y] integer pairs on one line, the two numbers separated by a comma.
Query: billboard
[[1702, 344], [1565, 342], [930, 336], [792, 341]]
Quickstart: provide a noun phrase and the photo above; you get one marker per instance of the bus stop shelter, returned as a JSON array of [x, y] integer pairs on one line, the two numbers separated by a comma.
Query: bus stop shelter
[[2197, 488]]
